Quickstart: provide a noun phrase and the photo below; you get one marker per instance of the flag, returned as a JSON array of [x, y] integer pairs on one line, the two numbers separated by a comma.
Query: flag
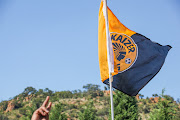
[[136, 58]]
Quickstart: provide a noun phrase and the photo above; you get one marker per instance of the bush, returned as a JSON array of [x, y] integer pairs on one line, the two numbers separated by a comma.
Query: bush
[[72, 106], [125, 107], [57, 112], [2, 117], [64, 94], [166, 109], [103, 112], [89, 113], [3, 105], [22, 111]]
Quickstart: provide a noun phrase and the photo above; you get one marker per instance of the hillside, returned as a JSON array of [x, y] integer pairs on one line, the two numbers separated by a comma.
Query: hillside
[[74, 103]]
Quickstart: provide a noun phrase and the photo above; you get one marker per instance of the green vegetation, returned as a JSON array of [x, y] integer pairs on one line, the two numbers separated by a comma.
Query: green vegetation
[[165, 109], [57, 112], [2, 117], [125, 107], [88, 113], [91, 103]]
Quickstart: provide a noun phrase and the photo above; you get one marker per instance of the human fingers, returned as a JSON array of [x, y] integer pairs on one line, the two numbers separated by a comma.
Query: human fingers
[[49, 106], [40, 111], [45, 110], [45, 102]]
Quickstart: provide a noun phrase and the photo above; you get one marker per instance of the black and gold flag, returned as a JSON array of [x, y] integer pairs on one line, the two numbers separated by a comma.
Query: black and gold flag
[[136, 58]]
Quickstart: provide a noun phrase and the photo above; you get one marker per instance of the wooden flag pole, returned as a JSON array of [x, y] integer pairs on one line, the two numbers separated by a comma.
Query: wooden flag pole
[[110, 56]]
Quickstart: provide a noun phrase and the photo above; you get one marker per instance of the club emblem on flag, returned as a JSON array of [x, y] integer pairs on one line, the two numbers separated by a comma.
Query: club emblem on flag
[[125, 51]]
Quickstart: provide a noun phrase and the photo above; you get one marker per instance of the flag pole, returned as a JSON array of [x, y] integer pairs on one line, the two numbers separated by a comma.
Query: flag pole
[[110, 56], [111, 96]]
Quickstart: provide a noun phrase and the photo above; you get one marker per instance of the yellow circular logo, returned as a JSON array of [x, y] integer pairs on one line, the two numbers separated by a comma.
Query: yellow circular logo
[[125, 50]]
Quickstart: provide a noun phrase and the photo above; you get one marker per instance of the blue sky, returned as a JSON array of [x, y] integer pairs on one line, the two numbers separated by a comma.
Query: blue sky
[[54, 44]]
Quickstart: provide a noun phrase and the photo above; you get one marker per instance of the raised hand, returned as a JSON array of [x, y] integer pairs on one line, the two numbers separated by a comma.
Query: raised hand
[[43, 112]]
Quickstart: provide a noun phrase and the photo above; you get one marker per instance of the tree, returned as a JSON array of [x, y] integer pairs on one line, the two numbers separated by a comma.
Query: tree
[[166, 109], [141, 96], [27, 111], [155, 95], [28, 91], [89, 113], [77, 93], [2, 117], [48, 92], [91, 87], [144, 107], [125, 107], [64, 94], [164, 112], [3, 105], [105, 88], [40, 91], [57, 112], [93, 90], [37, 102], [168, 97]]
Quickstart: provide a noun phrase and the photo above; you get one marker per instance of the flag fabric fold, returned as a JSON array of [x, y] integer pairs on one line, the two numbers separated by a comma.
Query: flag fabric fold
[[136, 58]]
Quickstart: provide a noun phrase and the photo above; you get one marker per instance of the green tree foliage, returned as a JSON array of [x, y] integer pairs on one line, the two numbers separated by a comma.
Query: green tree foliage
[[57, 112], [29, 90], [17, 104], [27, 111], [144, 107], [2, 117], [64, 94], [141, 96], [168, 97], [125, 107], [177, 117], [77, 93], [166, 109], [155, 95], [102, 112], [48, 92], [40, 92], [93, 90], [3, 105], [37, 102], [88, 113], [91, 87], [105, 88]]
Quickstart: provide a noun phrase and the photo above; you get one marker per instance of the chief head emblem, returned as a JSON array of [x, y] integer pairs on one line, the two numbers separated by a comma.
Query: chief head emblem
[[125, 51]]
